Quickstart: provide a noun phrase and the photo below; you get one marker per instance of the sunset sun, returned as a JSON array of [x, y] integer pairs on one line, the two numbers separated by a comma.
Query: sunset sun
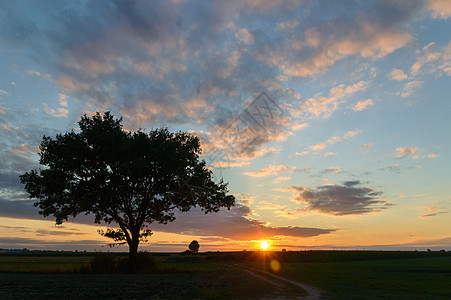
[[264, 245]]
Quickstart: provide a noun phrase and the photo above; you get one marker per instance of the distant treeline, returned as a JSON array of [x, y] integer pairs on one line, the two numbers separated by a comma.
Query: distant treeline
[[261, 256], [324, 255]]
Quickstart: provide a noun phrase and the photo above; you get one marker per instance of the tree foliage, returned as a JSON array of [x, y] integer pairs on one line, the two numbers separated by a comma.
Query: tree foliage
[[194, 246], [129, 178]]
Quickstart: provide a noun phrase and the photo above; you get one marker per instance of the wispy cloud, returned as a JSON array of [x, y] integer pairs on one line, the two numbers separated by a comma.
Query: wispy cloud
[[271, 170], [334, 139], [410, 87], [433, 60], [60, 112], [281, 178], [433, 211], [402, 152], [335, 170], [303, 153], [361, 105], [397, 74], [323, 106]]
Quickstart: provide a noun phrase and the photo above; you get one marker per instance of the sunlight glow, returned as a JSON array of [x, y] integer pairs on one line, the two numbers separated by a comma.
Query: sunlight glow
[[264, 245]]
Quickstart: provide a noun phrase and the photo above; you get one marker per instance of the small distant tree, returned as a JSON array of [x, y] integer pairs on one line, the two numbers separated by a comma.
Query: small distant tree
[[129, 178], [194, 246]]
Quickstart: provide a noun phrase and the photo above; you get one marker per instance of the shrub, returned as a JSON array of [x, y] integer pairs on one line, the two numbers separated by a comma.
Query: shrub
[[109, 263], [104, 263]]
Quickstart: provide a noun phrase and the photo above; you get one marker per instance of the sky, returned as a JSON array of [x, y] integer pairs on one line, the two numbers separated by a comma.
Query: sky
[[329, 119]]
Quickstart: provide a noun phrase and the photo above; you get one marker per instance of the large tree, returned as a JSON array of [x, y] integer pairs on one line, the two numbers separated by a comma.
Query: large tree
[[129, 178]]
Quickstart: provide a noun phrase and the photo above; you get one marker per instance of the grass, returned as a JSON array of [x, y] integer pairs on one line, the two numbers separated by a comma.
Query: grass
[[107, 286], [340, 274], [43, 264], [413, 278], [176, 277]]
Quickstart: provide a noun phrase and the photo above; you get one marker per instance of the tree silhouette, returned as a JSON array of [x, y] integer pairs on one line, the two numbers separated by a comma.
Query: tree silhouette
[[194, 246], [129, 178]]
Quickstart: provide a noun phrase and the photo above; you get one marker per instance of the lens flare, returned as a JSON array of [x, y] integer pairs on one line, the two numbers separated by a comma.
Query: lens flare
[[275, 265]]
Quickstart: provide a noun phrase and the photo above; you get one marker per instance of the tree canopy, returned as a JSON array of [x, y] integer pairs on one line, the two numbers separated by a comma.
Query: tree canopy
[[129, 178], [194, 246]]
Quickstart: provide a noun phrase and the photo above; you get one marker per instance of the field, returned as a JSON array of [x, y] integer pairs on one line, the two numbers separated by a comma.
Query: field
[[239, 275]]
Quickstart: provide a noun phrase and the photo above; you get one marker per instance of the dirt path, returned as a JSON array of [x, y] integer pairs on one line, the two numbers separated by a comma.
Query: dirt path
[[313, 292]]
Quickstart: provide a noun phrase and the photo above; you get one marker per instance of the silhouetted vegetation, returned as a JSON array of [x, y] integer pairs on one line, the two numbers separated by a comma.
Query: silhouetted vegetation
[[110, 263], [194, 246], [129, 178], [323, 256]]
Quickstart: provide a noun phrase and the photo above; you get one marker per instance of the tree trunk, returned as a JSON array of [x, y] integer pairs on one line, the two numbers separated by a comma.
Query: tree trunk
[[133, 251]]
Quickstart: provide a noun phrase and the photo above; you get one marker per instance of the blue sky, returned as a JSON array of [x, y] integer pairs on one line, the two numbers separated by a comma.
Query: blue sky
[[331, 118]]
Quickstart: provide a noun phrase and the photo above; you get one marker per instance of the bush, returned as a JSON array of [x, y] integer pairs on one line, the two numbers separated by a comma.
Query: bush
[[144, 263], [110, 263], [104, 263]]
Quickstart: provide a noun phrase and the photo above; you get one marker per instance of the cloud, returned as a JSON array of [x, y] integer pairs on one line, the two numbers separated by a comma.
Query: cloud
[[57, 113], [183, 62], [227, 164], [234, 225], [244, 137], [441, 9], [270, 170], [36, 243], [335, 170], [63, 99], [8, 127], [366, 147], [433, 211], [396, 168], [2, 92], [397, 74], [402, 152], [281, 178], [410, 87], [299, 126], [393, 168], [340, 200], [433, 60], [334, 139], [56, 232], [432, 155], [2, 110], [321, 106], [330, 154], [370, 33], [422, 244], [145, 60], [245, 36], [24, 149], [19, 209], [361, 105], [303, 153]]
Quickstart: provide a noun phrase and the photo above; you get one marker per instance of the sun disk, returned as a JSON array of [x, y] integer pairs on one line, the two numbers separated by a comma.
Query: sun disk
[[264, 245]]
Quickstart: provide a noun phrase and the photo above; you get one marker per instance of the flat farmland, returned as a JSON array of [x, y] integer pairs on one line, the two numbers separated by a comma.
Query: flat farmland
[[239, 275]]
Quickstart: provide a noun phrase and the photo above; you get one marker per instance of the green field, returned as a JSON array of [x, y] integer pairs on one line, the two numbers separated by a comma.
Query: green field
[[239, 275]]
